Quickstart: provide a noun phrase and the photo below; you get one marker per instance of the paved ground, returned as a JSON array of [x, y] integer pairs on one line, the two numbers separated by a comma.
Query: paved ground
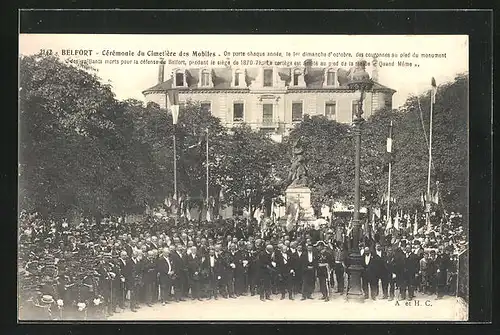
[[251, 308]]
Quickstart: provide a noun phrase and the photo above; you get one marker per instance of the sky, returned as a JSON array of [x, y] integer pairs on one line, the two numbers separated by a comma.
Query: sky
[[129, 80]]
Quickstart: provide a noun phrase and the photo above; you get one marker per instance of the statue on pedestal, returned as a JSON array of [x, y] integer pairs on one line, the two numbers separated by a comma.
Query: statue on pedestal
[[297, 175]]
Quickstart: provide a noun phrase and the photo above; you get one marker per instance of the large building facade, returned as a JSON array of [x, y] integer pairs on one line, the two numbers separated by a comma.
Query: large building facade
[[270, 99]]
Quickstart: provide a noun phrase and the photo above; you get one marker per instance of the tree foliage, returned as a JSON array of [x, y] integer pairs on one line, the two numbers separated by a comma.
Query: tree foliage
[[83, 150], [330, 149]]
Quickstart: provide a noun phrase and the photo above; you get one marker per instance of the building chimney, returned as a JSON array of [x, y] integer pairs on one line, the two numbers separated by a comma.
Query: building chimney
[[161, 71], [375, 69]]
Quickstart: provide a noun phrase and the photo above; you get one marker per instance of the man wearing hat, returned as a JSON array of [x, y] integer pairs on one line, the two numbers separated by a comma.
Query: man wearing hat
[[411, 268], [431, 272], [443, 265]]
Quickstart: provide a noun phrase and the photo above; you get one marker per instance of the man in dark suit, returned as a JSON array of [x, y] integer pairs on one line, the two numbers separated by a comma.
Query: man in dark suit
[[411, 268], [126, 278], [178, 268], [253, 269], [309, 263], [390, 266], [431, 272], [236, 271], [266, 267], [296, 256], [137, 280], [369, 276], [443, 265], [194, 273], [382, 270], [222, 270], [150, 275], [213, 274], [165, 273], [286, 272]]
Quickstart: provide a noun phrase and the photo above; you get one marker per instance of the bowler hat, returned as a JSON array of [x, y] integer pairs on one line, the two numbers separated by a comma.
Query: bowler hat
[[47, 299]]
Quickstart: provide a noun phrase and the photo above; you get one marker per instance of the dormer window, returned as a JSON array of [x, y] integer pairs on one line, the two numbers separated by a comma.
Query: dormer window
[[330, 77], [268, 77], [205, 78], [180, 78], [237, 78], [296, 76]]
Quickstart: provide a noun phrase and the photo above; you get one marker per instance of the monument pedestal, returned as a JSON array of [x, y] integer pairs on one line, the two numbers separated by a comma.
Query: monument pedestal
[[301, 195]]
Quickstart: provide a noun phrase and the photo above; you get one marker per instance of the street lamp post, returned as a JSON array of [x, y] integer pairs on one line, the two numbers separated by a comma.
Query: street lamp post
[[359, 81]]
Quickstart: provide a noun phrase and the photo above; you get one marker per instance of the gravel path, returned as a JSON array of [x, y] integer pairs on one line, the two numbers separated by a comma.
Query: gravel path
[[422, 308]]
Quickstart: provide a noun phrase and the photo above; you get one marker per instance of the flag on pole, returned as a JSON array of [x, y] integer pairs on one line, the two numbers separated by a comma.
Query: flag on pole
[[433, 91], [415, 224], [435, 198], [273, 214], [396, 221], [257, 215], [389, 223], [389, 139], [175, 113], [173, 97], [168, 202], [209, 216], [384, 198]]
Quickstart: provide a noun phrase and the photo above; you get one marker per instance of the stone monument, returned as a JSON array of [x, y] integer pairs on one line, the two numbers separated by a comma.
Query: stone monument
[[298, 192]]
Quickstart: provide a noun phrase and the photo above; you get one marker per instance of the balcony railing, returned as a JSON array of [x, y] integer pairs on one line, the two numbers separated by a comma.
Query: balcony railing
[[265, 123]]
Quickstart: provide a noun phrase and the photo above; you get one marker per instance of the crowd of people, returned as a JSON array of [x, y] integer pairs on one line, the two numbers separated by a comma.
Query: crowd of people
[[94, 269]]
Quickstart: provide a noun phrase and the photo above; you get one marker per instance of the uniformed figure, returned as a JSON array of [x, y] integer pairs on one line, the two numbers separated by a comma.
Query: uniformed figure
[[324, 264], [339, 265]]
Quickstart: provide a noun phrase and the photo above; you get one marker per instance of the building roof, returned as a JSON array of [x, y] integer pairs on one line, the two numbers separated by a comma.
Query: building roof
[[222, 79], [161, 87]]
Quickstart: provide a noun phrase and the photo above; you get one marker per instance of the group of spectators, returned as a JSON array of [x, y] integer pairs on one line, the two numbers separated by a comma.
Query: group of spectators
[[94, 269]]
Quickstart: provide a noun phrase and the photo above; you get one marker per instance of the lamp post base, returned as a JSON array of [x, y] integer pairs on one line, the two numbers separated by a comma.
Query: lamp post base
[[354, 271]]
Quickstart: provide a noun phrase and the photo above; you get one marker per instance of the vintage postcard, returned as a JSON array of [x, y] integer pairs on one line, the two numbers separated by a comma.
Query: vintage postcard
[[243, 177]]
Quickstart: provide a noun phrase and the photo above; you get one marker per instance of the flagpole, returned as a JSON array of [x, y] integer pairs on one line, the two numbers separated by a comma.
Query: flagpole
[[207, 171], [175, 163], [428, 213], [389, 150]]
